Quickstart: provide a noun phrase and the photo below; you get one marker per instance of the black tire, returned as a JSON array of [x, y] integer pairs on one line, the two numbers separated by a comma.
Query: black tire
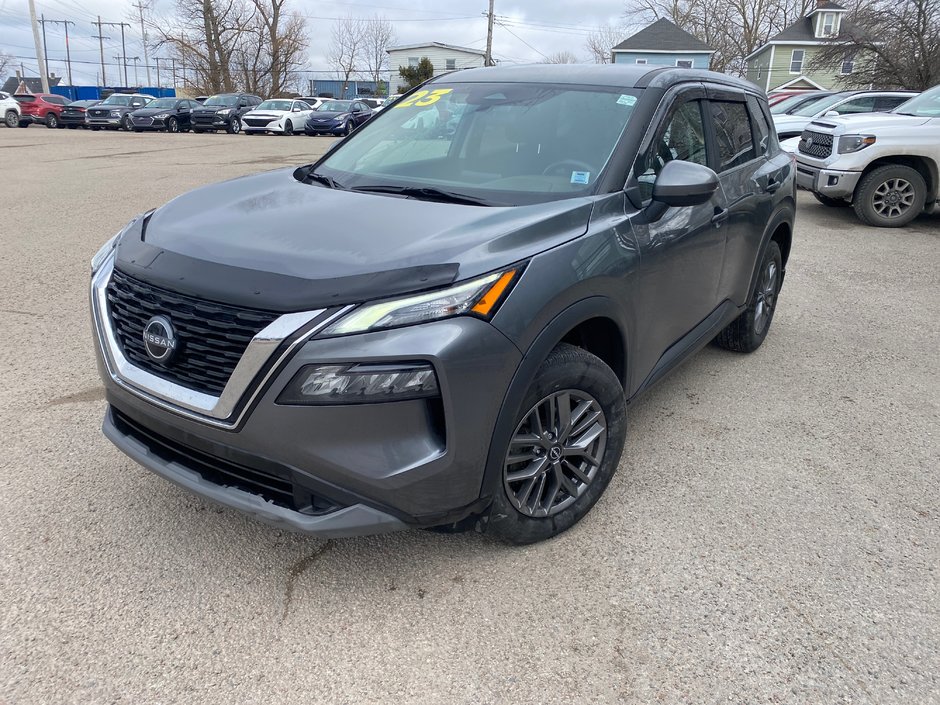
[[748, 331], [875, 195], [288, 128], [234, 126], [172, 125], [11, 119], [126, 123], [52, 121], [348, 128], [95, 129], [571, 376], [137, 129], [831, 202], [73, 127]]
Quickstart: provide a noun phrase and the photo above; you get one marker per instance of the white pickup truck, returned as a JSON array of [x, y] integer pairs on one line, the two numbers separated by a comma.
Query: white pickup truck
[[885, 165]]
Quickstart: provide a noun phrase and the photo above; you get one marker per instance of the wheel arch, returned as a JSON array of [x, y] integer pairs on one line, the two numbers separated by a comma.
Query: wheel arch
[[780, 230], [592, 324], [925, 166]]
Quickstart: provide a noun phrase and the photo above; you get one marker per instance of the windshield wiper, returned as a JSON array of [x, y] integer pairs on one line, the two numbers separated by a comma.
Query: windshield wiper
[[425, 193], [306, 175]]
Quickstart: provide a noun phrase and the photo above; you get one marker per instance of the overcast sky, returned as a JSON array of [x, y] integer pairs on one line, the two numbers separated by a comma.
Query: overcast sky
[[533, 28]]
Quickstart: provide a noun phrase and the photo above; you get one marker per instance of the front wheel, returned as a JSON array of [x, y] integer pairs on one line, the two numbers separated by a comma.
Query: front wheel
[[52, 122], [172, 125], [126, 123], [234, 127], [564, 450], [288, 128], [890, 196], [348, 128], [747, 331]]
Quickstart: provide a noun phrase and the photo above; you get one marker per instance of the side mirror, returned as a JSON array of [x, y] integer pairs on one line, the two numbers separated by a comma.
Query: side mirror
[[682, 184], [832, 113]]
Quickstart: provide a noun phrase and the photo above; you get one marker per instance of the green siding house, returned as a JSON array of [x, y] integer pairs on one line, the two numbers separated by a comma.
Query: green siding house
[[786, 60]]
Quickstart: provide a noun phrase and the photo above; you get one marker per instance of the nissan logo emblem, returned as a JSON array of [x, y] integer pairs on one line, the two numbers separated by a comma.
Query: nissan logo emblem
[[159, 339]]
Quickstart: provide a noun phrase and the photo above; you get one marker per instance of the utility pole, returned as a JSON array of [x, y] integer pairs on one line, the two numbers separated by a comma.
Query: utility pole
[[173, 59], [123, 56], [488, 59], [100, 38], [68, 55], [157, 59], [141, 6], [40, 56], [45, 47], [136, 60]]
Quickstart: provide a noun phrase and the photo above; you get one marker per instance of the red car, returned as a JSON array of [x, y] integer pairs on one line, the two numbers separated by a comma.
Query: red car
[[40, 107]]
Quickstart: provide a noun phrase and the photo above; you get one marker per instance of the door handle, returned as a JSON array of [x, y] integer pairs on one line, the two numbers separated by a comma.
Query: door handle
[[721, 215]]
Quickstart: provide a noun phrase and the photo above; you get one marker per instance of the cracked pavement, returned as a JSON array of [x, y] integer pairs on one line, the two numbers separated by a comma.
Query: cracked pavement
[[772, 535]]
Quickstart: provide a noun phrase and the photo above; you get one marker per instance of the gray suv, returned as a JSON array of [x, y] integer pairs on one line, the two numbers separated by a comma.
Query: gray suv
[[503, 262]]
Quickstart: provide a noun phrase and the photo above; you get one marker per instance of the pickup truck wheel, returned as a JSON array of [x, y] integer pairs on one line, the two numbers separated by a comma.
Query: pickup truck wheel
[[564, 451], [890, 196], [12, 118], [831, 202], [747, 331]]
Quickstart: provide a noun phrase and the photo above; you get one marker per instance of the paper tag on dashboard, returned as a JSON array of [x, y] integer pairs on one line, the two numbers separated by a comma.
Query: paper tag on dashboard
[[580, 177], [628, 100]]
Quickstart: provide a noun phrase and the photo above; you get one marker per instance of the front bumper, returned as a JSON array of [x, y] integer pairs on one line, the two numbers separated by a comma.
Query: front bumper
[[148, 123], [214, 123], [104, 122], [325, 129], [382, 465], [272, 126], [827, 182]]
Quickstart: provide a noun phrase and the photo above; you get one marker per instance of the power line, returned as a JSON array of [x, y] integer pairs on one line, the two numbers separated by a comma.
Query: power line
[[522, 40], [45, 45]]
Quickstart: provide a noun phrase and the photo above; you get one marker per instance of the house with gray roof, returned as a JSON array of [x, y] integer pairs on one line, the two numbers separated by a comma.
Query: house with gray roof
[[663, 44], [786, 60]]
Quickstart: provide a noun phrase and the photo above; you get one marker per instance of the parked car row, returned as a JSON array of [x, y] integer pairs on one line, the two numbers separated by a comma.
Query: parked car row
[[231, 112]]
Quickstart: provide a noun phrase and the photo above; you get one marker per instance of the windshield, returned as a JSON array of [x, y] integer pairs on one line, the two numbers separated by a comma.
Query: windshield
[[229, 100], [274, 105], [817, 106], [927, 104], [793, 101], [335, 106], [162, 103], [505, 144], [117, 100]]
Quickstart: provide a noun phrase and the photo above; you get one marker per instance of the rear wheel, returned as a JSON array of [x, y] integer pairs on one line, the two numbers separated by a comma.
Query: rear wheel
[[52, 121], [172, 125], [747, 331], [12, 118], [564, 450], [890, 196]]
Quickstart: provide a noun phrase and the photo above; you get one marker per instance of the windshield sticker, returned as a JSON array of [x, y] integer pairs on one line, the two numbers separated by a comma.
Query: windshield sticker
[[628, 100], [580, 177], [422, 99]]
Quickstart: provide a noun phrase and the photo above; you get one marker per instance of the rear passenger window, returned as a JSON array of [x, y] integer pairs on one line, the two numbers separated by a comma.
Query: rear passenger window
[[761, 127], [733, 133], [682, 138]]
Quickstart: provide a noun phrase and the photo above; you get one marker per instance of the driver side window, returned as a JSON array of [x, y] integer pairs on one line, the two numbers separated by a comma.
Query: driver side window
[[683, 137]]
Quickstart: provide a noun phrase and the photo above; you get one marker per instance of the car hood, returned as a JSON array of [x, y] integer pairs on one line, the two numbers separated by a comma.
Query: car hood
[[147, 112], [327, 114], [872, 121], [352, 245]]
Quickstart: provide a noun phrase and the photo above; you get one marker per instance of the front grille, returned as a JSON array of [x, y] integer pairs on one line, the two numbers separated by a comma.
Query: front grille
[[258, 122], [143, 121], [816, 144], [203, 119], [99, 113], [211, 337], [276, 488]]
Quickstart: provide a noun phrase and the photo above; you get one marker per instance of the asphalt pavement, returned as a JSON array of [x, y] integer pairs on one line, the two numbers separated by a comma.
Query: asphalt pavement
[[772, 535]]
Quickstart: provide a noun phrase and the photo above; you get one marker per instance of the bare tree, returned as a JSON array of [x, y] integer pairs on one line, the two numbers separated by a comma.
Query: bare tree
[[600, 42], [347, 46], [379, 37], [282, 39], [6, 60], [893, 45], [561, 57]]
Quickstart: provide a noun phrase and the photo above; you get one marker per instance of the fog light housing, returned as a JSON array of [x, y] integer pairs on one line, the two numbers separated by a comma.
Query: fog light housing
[[360, 383]]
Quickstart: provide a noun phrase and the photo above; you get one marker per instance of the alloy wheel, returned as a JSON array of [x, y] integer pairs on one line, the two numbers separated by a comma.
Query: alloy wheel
[[555, 453], [893, 198], [766, 297]]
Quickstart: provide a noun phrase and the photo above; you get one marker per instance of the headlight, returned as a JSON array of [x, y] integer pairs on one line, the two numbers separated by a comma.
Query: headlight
[[480, 297], [854, 143], [161, 116], [224, 111], [102, 255], [360, 383]]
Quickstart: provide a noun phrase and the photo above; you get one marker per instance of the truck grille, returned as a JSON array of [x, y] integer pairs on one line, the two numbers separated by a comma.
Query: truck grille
[[276, 488], [816, 144], [211, 337]]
